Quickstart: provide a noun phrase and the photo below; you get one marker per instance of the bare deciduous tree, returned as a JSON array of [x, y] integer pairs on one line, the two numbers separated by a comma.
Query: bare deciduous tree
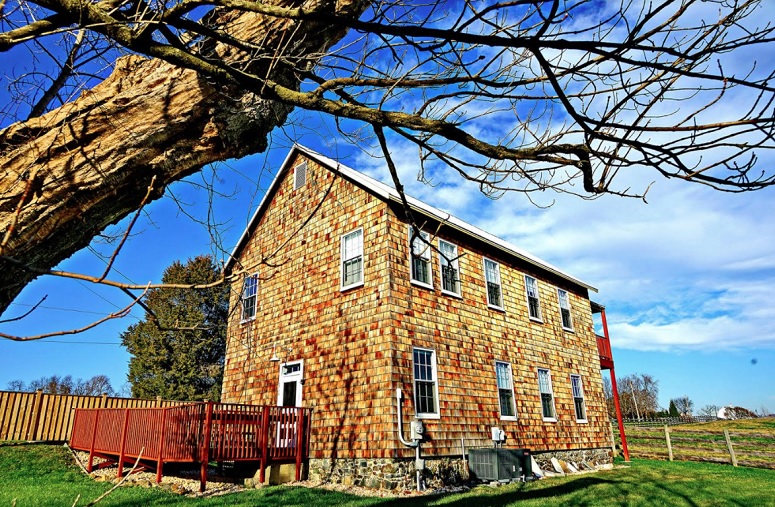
[[638, 394], [684, 405], [523, 95]]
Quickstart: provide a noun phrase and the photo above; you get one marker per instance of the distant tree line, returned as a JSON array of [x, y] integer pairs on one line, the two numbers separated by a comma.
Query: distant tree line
[[638, 395], [95, 386]]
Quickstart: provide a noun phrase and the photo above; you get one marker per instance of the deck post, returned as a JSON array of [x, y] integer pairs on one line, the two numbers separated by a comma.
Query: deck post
[[615, 389], [123, 444], [160, 457], [205, 451], [264, 446], [299, 441], [90, 465]]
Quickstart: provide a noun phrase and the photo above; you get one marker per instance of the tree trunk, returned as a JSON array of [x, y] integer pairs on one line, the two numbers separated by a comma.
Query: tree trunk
[[72, 172]]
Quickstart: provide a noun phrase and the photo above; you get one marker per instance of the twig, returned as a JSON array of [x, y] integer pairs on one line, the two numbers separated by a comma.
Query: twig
[[121, 313], [128, 229], [119, 482], [27, 313]]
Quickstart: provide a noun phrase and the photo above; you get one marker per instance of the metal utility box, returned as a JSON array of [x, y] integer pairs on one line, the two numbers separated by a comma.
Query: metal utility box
[[499, 464]]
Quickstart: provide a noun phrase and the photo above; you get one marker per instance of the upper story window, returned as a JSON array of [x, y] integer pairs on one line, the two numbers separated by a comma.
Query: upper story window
[[492, 276], [249, 297], [547, 395], [352, 259], [505, 390], [299, 175], [533, 305], [450, 270], [426, 391], [420, 258], [567, 322], [578, 398]]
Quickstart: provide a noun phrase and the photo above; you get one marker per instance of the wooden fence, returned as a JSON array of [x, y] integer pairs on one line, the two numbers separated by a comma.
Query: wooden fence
[[49, 417], [753, 448]]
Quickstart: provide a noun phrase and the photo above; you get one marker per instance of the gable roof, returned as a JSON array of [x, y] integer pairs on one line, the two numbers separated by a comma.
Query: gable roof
[[389, 194]]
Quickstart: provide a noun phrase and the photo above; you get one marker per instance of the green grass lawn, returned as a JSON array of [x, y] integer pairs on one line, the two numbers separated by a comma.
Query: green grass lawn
[[35, 475]]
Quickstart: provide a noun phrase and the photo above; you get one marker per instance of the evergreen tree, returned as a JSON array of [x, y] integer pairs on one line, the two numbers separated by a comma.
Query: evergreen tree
[[169, 358], [673, 410]]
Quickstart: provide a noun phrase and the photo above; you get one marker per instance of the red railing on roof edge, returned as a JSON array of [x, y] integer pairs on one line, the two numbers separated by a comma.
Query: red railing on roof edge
[[604, 348], [195, 433]]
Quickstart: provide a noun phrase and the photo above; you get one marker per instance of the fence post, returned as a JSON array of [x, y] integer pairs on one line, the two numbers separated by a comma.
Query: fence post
[[158, 401], [124, 429], [32, 429], [669, 445], [729, 446], [104, 400], [160, 457], [264, 444], [205, 455], [299, 441]]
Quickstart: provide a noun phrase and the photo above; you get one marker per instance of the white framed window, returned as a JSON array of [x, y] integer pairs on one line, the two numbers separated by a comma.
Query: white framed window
[[299, 175], [249, 297], [450, 268], [505, 390], [426, 389], [352, 259], [420, 258], [533, 303], [578, 398], [567, 321], [492, 278], [547, 395]]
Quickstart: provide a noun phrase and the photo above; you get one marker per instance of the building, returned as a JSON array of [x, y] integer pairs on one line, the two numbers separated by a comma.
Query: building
[[336, 312]]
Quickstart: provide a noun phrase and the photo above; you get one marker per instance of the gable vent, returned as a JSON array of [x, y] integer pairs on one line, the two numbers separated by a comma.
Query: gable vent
[[299, 175]]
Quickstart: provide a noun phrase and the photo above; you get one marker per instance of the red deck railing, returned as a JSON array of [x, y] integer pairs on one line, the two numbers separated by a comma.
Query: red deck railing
[[604, 351], [195, 433]]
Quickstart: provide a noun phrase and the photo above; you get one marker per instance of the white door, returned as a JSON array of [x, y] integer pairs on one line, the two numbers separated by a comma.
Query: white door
[[289, 387], [289, 395]]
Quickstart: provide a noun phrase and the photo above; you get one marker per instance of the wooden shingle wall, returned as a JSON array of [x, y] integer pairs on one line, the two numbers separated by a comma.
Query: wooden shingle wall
[[469, 337], [357, 344], [343, 337]]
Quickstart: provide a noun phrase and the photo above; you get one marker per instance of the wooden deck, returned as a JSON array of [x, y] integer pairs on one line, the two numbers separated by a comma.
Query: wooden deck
[[194, 433]]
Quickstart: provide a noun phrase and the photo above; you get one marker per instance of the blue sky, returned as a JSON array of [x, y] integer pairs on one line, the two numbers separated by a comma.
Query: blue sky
[[686, 277]]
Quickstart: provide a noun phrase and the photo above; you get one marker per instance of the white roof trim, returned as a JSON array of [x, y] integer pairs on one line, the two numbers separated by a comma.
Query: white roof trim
[[389, 193]]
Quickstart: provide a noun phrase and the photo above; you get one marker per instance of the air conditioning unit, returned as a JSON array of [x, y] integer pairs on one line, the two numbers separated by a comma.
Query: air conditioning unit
[[499, 464]]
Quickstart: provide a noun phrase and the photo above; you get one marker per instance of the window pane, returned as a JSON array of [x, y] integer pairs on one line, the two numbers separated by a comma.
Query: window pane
[[506, 402], [547, 407], [504, 375]]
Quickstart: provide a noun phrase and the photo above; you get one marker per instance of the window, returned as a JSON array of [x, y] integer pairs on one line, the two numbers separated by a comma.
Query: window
[[352, 259], [421, 258], [450, 271], [533, 307], [505, 390], [492, 276], [426, 392], [578, 398], [547, 398], [249, 296], [567, 323], [299, 175]]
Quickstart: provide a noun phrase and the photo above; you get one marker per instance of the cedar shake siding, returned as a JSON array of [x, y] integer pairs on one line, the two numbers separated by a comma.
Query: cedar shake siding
[[357, 344]]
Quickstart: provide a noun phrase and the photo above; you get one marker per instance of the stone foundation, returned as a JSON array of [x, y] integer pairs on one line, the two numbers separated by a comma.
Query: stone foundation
[[394, 474]]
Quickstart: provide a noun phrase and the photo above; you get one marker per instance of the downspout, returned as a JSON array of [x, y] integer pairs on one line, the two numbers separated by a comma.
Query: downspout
[[414, 443]]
